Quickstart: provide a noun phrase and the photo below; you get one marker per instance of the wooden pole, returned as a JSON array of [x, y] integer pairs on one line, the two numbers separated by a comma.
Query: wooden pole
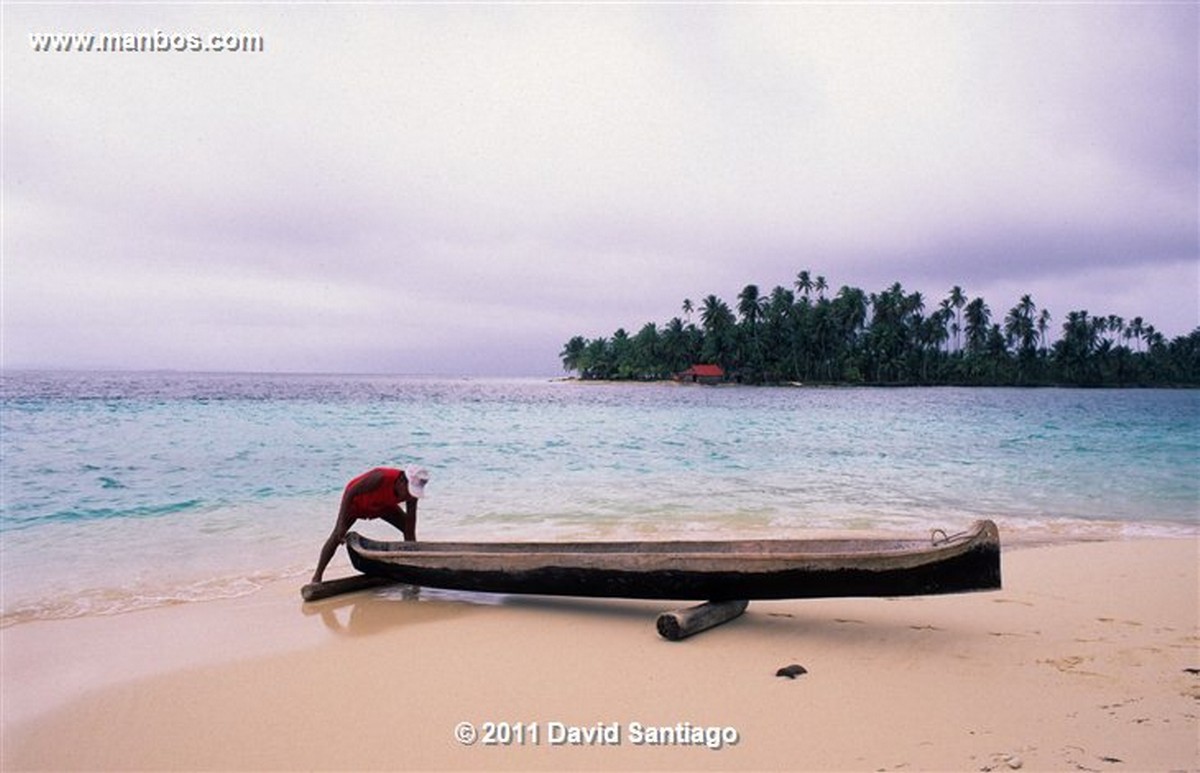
[[682, 623], [315, 591]]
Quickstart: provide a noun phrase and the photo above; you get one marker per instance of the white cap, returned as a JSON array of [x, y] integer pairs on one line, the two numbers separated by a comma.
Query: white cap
[[417, 478]]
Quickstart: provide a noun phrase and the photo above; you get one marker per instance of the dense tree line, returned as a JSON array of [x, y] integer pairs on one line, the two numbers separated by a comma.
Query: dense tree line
[[805, 334]]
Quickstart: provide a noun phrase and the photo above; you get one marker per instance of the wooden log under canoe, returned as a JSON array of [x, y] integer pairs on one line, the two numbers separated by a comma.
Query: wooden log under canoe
[[682, 623], [315, 591], [695, 570]]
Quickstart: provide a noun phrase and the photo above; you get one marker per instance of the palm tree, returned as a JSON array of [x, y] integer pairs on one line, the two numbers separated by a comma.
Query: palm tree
[[821, 286], [779, 331], [890, 338], [1043, 325], [804, 284], [622, 354], [1100, 326], [1020, 328], [779, 302], [978, 318], [750, 305], [646, 357], [946, 315], [718, 322], [596, 360], [715, 314], [572, 352], [956, 300], [850, 310], [1154, 339], [1116, 327], [674, 347], [914, 305], [1073, 352], [1137, 329], [688, 308], [933, 335]]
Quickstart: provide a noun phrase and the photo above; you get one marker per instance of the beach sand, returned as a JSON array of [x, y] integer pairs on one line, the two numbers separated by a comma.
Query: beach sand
[[1080, 663]]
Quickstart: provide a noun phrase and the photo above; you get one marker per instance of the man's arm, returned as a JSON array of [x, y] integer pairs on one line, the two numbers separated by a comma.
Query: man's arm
[[404, 518], [410, 521]]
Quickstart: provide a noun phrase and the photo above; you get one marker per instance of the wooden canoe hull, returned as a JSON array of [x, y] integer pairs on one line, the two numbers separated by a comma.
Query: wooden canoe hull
[[716, 571]]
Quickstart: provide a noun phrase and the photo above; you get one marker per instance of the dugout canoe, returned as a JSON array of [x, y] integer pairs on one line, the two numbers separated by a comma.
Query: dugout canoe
[[695, 570]]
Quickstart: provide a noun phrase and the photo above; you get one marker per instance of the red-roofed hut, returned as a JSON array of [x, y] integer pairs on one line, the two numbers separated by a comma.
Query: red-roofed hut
[[702, 374]]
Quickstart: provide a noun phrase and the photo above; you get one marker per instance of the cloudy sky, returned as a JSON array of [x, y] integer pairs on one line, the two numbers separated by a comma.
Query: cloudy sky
[[431, 188]]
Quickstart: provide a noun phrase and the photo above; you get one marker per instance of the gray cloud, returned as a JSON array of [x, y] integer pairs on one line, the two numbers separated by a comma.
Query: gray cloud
[[461, 188]]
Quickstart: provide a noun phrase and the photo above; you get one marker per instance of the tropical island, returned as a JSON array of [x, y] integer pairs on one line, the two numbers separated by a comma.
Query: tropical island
[[892, 337]]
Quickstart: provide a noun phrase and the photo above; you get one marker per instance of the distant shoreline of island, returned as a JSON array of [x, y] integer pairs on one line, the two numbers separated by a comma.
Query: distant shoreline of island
[[806, 337], [732, 384]]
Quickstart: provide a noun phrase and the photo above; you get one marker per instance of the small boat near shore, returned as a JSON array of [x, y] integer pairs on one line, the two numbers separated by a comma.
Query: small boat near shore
[[695, 570]]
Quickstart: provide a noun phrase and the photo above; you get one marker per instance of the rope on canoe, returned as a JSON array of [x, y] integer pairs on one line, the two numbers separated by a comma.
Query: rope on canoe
[[946, 539]]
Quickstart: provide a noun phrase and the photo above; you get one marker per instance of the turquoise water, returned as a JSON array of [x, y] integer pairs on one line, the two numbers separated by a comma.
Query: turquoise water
[[127, 490]]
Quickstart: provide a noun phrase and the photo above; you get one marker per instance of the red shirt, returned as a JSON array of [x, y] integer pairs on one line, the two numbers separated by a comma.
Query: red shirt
[[379, 500]]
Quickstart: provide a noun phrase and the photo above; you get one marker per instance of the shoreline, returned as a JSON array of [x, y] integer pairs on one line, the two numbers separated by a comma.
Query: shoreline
[[1017, 534], [1170, 386], [1081, 660]]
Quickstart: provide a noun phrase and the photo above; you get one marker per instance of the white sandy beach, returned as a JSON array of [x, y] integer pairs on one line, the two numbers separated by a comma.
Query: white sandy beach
[[1080, 663]]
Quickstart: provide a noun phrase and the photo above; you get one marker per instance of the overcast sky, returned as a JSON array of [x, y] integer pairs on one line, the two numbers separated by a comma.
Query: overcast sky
[[460, 189]]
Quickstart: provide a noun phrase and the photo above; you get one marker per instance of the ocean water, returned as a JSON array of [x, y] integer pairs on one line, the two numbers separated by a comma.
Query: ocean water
[[120, 491]]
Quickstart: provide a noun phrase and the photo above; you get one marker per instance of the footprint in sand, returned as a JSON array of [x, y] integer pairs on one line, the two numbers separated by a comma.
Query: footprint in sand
[[1070, 664], [1133, 623]]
